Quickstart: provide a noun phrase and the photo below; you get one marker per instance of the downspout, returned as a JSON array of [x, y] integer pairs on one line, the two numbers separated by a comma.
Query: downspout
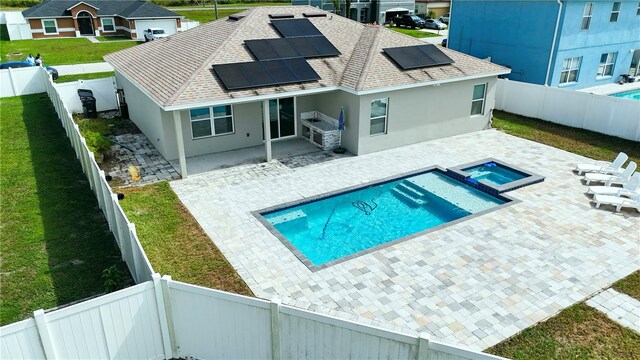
[[553, 44]]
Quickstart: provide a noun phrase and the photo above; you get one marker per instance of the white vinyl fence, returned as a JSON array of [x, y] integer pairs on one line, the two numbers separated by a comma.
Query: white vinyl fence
[[123, 230], [22, 81], [604, 114], [103, 90], [163, 318]]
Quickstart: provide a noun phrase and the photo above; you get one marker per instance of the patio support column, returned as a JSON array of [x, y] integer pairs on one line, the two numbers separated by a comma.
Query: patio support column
[[177, 121], [267, 128]]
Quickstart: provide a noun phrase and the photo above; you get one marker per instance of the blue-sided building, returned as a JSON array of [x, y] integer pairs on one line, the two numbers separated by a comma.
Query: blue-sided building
[[571, 44]]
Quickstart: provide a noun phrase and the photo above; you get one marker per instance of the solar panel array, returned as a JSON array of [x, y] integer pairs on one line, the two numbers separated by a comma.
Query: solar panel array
[[283, 48], [419, 56], [254, 74], [291, 28], [280, 61]]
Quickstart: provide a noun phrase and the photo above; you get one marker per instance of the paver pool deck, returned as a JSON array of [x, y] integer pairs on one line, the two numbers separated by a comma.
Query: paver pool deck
[[476, 282]]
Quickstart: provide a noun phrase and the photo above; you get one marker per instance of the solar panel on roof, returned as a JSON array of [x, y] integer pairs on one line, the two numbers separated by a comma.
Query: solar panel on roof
[[281, 16], [265, 73], [283, 48], [295, 28], [413, 57]]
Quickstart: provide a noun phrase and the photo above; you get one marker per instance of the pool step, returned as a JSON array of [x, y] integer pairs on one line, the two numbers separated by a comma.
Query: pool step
[[450, 191], [297, 217], [408, 195]]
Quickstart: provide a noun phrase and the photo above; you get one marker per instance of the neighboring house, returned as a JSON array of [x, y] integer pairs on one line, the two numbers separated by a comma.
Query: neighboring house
[[439, 7], [365, 11], [571, 44], [63, 18], [186, 109]]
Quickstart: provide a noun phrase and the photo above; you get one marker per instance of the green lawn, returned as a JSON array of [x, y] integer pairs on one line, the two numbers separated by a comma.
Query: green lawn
[[61, 51], [577, 332], [55, 241], [89, 76], [412, 32], [204, 16], [174, 241], [629, 285], [579, 141]]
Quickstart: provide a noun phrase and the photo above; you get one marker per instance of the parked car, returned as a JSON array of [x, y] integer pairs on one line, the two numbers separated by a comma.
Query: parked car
[[444, 18], [154, 33], [410, 21], [434, 24], [21, 64]]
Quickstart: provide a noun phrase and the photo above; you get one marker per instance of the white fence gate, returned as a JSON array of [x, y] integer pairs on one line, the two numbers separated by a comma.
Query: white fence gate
[[161, 319], [104, 91], [604, 114]]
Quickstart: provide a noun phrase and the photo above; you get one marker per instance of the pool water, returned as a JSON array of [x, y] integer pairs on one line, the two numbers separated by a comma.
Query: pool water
[[331, 228], [493, 173], [633, 95]]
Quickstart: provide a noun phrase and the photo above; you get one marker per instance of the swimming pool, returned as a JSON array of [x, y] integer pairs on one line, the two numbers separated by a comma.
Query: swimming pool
[[336, 227], [633, 95], [494, 173]]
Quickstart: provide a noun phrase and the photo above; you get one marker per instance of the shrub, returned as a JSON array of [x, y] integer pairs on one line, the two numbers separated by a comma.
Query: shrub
[[112, 279], [97, 143]]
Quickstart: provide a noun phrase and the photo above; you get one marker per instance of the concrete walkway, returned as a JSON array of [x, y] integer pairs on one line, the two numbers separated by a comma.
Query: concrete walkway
[[83, 68], [619, 307]]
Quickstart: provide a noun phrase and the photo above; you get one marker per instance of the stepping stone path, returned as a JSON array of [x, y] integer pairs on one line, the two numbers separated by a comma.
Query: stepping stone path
[[619, 307]]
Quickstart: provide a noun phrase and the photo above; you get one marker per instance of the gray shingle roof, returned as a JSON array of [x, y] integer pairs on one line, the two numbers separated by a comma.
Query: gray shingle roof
[[181, 73], [129, 9]]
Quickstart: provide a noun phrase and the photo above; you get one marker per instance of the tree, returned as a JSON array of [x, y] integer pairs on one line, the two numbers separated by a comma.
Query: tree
[[336, 6], [347, 6]]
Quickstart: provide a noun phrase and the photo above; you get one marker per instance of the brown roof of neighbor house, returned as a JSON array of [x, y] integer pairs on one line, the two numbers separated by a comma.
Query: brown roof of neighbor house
[[177, 70]]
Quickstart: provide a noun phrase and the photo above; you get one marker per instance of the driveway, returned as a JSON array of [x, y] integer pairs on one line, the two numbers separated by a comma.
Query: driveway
[[476, 282]]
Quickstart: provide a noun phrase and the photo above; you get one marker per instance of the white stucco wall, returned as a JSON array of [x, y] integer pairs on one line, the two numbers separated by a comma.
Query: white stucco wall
[[425, 113], [146, 115]]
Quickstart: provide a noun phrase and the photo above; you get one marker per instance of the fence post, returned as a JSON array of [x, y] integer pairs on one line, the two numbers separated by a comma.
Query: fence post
[[423, 346], [162, 314], [134, 254], [275, 329], [43, 332], [119, 233], [168, 308], [13, 83]]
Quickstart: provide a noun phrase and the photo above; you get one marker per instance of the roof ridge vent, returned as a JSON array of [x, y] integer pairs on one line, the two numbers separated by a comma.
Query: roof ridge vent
[[308, 15], [281, 16], [236, 17]]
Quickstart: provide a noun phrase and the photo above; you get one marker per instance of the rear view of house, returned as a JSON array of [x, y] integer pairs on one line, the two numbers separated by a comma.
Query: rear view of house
[[256, 77], [63, 18]]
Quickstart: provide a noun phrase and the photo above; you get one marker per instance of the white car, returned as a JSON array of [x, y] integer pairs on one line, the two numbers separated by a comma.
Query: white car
[[154, 33], [444, 18]]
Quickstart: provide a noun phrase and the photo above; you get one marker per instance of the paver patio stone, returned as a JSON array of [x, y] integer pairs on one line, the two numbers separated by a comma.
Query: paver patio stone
[[506, 269]]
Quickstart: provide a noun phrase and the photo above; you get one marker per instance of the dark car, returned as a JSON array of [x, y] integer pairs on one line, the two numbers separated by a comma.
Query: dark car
[[410, 21], [21, 64]]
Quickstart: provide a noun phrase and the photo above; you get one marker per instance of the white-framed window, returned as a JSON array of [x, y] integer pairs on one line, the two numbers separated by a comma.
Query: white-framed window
[[615, 11], [211, 121], [586, 15], [379, 112], [638, 9], [108, 24], [570, 70], [607, 62], [50, 26], [477, 103]]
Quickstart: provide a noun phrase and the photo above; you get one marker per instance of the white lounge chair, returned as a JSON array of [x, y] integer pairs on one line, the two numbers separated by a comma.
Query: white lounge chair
[[609, 180], [618, 202], [630, 189], [603, 167]]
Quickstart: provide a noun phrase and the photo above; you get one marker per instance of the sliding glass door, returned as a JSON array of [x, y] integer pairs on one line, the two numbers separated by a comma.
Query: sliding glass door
[[282, 118]]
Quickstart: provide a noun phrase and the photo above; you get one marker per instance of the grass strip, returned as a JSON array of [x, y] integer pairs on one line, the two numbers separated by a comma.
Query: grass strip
[[89, 76], [174, 241], [412, 32], [205, 16], [61, 51], [629, 285], [577, 332], [55, 242], [579, 141]]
